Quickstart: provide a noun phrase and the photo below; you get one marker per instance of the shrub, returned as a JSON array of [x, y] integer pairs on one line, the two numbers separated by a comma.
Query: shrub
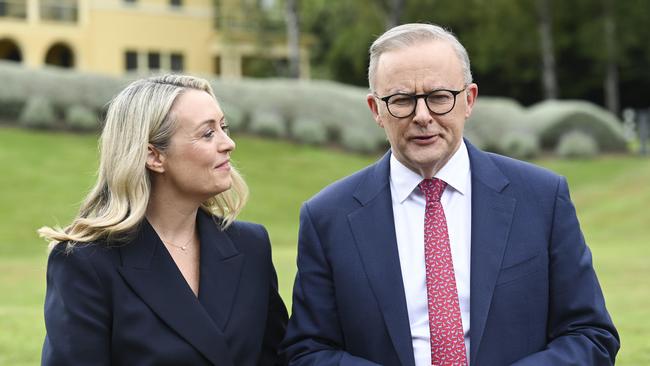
[[577, 144], [359, 140], [333, 132], [268, 107], [62, 87], [12, 92], [493, 118], [81, 118], [38, 113], [269, 124], [237, 120], [10, 109], [337, 107], [309, 131], [553, 119], [520, 145]]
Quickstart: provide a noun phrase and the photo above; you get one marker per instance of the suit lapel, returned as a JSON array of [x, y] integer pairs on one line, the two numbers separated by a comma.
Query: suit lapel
[[221, 265], [492, 213], [152, 274], [374, 232]]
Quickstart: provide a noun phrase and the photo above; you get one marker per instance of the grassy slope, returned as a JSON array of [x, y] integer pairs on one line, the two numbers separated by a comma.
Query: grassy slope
[[44, 177]]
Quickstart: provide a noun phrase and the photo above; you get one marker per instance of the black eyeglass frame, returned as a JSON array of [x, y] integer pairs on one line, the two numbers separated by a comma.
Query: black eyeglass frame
[[415, 97]]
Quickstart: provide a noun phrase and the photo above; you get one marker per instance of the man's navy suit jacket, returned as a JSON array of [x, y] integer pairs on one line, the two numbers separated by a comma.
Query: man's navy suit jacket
[[534, 298], [130, 305]]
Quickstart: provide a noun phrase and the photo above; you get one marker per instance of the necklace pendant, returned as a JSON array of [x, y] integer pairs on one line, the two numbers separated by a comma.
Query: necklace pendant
[[184, 248]]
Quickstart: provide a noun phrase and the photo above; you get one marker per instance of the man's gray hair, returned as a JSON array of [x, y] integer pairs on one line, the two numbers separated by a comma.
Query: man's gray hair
[[406, 35]]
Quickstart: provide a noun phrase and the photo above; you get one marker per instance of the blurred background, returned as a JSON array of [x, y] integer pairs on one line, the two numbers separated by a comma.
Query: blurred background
[[563, 84]]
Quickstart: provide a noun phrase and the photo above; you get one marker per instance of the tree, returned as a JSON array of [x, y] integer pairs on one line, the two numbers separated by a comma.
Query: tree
[[544, 27], [293, 37], [582, 48], [344, 29], [393, 10], [611, 64]]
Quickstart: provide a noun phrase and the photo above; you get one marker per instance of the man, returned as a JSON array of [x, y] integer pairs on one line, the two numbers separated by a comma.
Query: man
[[439, 253]]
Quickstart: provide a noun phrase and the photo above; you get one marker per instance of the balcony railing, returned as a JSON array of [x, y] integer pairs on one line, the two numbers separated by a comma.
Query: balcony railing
[[60, 11], [13, 9]]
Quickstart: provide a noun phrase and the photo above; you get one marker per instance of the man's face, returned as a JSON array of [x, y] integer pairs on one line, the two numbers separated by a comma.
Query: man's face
[[423, 141]]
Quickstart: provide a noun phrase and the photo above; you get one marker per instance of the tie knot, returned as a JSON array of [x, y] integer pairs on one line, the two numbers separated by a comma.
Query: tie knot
[[432, 189]]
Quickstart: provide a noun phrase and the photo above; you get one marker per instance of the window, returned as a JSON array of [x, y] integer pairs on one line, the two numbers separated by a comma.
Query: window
[[59, 10], [177, 64], [130, 60], [217, 65], [13, 8], [153, 60], [176, 3]]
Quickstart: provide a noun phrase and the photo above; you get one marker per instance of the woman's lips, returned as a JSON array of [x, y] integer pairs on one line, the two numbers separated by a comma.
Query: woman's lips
[[224, 166]]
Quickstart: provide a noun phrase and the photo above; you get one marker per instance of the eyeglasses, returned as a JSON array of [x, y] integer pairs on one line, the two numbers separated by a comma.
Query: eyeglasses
[[439, 102]]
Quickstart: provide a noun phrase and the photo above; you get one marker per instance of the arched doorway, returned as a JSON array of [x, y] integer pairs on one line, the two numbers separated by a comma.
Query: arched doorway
[[61, 55], [10, 51]]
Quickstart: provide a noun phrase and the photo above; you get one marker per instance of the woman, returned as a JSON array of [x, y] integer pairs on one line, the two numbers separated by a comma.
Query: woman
[[154, 270]]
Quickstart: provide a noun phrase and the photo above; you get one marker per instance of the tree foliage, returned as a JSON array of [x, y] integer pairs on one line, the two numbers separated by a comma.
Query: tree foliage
[[503, 42]]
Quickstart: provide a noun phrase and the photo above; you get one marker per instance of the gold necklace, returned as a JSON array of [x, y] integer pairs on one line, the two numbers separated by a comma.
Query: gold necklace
[[181, 247]]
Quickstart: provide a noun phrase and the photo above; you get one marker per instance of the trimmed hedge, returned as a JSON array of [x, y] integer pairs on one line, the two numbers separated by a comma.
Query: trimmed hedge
[[498, 125], [491, 118], [268, 124], [62, 87], [309, 131], [81, 118], [38, 113], [270, 107], [577, 144], [313, 112], [334, 106], [520, 145], [237, 120], [10, 108], [552, 119]]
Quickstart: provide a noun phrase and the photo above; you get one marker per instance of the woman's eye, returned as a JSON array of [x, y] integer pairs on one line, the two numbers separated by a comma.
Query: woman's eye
[[225, 128], [209, 133]]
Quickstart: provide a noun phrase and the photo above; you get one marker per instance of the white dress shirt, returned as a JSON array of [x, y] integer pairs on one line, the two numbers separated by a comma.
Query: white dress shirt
[[408, 211]]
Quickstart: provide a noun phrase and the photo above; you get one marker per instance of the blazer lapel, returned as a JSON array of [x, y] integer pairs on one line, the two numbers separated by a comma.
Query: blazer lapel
[[374, 232], [152, 274], [492, 213], [221, 266]]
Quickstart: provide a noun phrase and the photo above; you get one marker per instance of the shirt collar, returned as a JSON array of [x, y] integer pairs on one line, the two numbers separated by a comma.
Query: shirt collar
[[454, 173]]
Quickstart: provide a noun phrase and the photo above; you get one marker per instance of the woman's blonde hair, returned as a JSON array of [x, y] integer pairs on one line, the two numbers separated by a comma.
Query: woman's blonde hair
[[138, 116]]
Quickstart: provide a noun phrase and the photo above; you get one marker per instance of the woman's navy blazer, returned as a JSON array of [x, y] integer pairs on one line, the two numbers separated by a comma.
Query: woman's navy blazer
[[130, 305]]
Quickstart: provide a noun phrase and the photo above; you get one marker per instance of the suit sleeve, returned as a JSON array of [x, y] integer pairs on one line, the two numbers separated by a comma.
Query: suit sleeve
[[314, 336], [276, 320], [580, 330], [77, 316]]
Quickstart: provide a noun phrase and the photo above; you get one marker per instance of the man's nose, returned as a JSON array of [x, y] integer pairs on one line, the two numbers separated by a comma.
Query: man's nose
[[422, 113]]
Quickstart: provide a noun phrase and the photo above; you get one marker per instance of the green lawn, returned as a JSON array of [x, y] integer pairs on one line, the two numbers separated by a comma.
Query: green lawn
[[46, 175]]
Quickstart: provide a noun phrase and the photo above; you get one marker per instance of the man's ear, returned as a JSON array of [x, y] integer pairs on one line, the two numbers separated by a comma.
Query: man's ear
[[155, 159], [374, 108], [472, 94]]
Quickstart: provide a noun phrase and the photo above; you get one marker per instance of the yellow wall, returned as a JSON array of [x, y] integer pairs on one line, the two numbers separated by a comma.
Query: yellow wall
[[106, 29], [153, 26]]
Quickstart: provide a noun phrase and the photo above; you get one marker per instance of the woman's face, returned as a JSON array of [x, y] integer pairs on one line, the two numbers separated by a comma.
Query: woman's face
[[197, 163]]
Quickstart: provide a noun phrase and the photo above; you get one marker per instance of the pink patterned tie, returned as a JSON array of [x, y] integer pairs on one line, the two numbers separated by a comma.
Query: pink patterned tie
[[445, 325]]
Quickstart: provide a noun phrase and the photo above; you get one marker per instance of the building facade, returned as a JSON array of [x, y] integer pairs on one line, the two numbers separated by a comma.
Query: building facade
[[114, 37]]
